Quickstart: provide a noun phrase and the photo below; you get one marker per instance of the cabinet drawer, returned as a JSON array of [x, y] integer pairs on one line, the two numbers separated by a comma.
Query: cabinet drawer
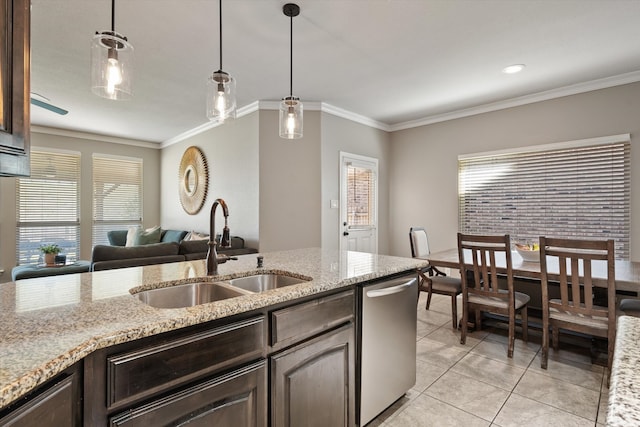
[[139, 373], [300, 321], [238, 398]]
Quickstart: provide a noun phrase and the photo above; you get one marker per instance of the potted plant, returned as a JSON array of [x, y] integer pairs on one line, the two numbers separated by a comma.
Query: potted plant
[[50, 251]]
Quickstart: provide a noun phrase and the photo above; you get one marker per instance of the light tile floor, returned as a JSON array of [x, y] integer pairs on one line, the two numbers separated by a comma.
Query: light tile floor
[[477, 385]]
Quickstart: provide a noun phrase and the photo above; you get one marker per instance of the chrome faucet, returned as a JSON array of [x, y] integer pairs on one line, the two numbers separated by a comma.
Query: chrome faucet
[[225, 242]]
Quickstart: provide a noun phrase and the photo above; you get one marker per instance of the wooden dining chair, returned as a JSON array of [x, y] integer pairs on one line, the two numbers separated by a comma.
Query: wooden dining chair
[[575, 310], [478, 255], [432, 280]]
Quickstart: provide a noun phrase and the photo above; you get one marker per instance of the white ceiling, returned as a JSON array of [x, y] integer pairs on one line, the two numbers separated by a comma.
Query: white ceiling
[[396, 62]]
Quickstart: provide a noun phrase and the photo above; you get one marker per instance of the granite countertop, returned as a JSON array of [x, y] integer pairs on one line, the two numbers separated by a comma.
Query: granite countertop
[[624, 390], [50, 323]]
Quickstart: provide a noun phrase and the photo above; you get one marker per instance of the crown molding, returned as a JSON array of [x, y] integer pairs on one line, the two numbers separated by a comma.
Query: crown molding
[[92, 136], [240, 112], [339, 112], [574, 89]]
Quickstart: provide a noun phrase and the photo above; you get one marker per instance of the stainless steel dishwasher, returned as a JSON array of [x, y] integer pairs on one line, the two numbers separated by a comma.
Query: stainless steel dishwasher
[[387, 343]]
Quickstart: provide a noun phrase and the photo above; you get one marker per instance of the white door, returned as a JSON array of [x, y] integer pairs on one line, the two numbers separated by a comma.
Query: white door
[[358, 203]]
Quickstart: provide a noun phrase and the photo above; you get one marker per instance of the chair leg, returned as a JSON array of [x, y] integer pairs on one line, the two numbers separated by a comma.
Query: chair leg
[[525, 324], [454, 311], [544, 357], [512, 334], [428, 299], [465, 323], [555, 335], [478, 319]]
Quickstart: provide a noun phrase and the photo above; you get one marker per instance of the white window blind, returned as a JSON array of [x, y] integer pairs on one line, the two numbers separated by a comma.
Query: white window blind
[[117, 195], [48, 206], [579, 190], [361, 193]]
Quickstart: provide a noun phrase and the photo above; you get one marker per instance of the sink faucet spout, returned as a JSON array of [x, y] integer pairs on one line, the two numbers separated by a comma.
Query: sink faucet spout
[[212, 255]]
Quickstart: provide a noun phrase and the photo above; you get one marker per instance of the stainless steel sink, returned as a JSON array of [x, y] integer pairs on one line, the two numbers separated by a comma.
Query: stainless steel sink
[[187, 295], [264, 282]]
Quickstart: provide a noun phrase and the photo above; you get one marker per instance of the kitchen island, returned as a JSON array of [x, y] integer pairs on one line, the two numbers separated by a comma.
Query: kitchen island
[[50, 324]]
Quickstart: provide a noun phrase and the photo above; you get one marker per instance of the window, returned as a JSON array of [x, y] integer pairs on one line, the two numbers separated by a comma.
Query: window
[[48, 206], [361, 193], [579, 190], [117, 195]]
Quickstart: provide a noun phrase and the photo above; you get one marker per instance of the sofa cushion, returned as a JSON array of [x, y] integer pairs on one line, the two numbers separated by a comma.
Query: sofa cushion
[[194, 235], [173, 235], [193, 247], [109, 253]]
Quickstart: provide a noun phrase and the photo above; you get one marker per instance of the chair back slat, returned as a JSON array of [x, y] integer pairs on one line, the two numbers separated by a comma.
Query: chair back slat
[[483, 264], [575, 275]]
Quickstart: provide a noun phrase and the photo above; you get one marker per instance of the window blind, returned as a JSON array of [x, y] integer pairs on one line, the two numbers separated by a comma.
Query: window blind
[[577, 191], [117, 195], [361, 196], [48, 206]]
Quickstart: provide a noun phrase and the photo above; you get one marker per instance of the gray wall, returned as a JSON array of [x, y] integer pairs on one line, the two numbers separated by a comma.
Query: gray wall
[[232, 154], [424, 160], [338, 135], [86, 145], [290, 182]]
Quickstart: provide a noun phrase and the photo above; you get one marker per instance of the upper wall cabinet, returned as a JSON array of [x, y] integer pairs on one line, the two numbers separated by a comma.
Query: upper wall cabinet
[[14, 87]]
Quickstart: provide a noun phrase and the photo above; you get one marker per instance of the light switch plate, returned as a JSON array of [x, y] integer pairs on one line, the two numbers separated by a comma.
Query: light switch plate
[[334, 204]]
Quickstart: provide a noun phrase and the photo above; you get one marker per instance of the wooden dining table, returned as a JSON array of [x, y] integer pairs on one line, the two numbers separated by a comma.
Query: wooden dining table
[[627, 273]]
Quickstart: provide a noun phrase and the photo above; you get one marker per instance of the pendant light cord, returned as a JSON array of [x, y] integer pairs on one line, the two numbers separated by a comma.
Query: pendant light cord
[[113, 16], [220, 17], [291, 58]]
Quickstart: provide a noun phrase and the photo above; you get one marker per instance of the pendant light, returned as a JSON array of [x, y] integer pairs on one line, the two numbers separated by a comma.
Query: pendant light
[[111, 63], [291, 107], [221, 90]]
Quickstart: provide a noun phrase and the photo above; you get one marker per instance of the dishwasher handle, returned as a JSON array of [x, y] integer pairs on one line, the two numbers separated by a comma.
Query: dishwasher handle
[[389, 291]]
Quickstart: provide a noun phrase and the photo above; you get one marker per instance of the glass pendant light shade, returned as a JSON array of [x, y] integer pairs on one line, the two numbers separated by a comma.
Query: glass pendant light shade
[[221, 97], [291, 122], [111, 66]]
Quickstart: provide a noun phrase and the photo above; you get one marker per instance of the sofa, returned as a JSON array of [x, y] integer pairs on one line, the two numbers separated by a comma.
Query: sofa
[[174, 246]]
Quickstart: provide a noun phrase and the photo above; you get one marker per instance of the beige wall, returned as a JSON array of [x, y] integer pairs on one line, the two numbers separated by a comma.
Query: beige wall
[[424, 160], [290, 182], [232, 154], [86, 147], [338, 135]]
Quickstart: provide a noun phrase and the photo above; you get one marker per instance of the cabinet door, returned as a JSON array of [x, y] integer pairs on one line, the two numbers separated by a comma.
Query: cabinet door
[[238, 399], [56, 406], [313, 383], [14, 87]]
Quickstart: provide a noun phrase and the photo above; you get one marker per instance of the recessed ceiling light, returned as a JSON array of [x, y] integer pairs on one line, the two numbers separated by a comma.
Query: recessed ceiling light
[[512, 69]]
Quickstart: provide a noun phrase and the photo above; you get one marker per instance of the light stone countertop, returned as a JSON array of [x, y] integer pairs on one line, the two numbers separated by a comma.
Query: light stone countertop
[[624, 390], [50, 323]]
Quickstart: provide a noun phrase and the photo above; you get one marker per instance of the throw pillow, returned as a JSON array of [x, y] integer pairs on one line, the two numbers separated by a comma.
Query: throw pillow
[[173, 236], [131, 236], [148, 236], [194, 235]]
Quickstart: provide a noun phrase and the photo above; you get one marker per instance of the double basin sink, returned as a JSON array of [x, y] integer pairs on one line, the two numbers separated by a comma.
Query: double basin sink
[[197, 293]]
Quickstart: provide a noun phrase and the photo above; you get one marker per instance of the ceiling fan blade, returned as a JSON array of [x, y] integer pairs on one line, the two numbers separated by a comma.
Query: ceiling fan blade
[[48, 106]]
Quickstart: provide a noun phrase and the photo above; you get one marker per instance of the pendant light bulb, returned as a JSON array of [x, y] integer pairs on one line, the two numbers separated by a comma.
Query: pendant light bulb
[[111, 63], [291, 112], [221, 90]]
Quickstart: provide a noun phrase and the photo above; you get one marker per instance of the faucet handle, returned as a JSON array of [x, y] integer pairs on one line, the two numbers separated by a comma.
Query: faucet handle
[[260, 261]]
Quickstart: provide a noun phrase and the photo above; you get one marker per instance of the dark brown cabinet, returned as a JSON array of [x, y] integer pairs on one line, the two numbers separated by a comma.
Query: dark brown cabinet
[[313, 380], [235, 399], [56, 404], [14, 87], [312, 384]]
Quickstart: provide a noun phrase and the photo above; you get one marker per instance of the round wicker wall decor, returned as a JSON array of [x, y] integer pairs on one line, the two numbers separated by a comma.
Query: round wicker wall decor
[[193, 180]]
